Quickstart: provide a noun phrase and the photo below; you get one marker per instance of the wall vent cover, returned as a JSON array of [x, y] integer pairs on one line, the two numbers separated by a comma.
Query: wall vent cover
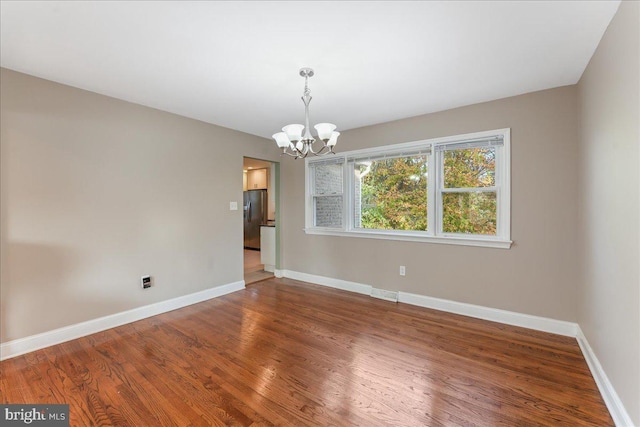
[[384, 294]]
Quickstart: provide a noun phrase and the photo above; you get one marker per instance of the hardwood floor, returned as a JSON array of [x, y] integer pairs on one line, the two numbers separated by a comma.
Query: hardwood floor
[[284, 352]]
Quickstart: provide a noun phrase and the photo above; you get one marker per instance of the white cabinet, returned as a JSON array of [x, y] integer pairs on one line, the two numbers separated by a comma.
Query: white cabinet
[[256, 179], [268, 248]]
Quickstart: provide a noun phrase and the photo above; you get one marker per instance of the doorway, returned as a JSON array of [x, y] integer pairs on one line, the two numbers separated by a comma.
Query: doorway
[[259, 178]]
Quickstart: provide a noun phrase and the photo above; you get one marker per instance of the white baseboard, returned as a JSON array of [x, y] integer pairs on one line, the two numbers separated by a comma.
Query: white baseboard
[[35, 342], [544, 324], [270, 268], [278, 273], [617, 410], [329, 282]]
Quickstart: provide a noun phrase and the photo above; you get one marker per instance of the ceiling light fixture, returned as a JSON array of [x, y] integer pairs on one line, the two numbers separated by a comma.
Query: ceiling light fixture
[[299, 146]]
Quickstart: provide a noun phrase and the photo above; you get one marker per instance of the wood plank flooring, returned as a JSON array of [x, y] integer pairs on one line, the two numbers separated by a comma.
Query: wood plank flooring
[[283, 352]]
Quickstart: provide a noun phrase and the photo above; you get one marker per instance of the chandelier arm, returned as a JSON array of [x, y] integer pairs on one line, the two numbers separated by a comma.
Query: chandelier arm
[[295, 152], [319, 152], [284, 151]]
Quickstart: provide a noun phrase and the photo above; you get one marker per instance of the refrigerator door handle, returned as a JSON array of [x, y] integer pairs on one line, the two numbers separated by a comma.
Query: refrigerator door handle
[[248, 211]]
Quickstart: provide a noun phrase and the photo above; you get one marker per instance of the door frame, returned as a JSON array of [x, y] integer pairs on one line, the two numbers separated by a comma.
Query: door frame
[[275, 168]]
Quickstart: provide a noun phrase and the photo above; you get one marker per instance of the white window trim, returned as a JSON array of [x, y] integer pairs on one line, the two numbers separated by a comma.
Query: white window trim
[[434, 216]]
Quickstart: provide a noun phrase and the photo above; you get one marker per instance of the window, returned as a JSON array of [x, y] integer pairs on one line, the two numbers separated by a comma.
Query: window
[[327, 192], [390, 192], [445, 190], [468, 193]]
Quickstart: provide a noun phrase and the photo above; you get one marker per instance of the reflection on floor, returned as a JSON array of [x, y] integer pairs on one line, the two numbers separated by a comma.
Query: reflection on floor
[[253, 270]]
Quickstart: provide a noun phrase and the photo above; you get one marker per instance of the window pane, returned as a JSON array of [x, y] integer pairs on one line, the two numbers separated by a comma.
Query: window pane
[[328, 179], [470, 168], [391, 194], [328, 210], [471, 213]]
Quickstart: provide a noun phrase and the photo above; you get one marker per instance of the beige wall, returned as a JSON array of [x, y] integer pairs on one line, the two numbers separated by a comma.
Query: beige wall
[[97, 192], [609, 296], [536, 276]]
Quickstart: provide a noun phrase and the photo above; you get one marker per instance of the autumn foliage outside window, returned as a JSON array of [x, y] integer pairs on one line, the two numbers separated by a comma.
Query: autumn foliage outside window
[[469, 203], [445, 190], [393, 193]]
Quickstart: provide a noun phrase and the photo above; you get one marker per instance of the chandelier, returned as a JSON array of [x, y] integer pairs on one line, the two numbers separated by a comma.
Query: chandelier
[[291, 139]]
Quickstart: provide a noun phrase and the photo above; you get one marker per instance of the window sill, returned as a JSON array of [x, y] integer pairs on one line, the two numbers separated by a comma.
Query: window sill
[[486, 242]]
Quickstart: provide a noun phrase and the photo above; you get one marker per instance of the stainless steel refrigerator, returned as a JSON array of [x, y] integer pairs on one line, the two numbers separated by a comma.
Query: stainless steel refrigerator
[[255, 214]]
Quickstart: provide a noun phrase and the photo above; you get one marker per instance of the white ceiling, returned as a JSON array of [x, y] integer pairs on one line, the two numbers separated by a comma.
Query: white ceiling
[[236, 64]]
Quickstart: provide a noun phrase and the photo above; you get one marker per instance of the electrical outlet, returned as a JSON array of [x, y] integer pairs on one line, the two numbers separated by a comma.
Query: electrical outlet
[[146, 282], [233, 206], [403, 270]]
